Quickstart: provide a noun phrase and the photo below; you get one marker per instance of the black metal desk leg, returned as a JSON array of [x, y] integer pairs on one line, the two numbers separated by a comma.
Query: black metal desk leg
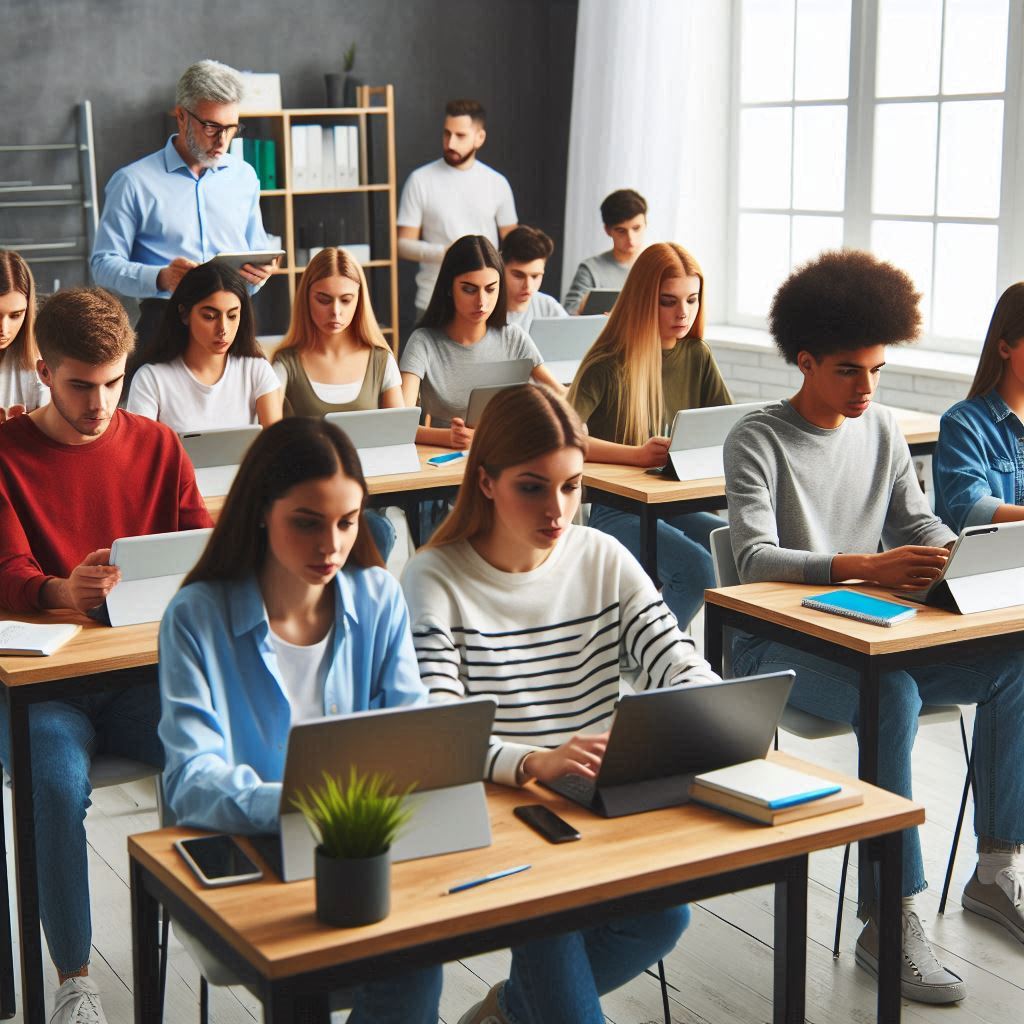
[[8, 1006], [649, 544], [869, 685], [888, 850], [411, 507], [288, 1004], [791, 943], [145, 950], [713, 639]]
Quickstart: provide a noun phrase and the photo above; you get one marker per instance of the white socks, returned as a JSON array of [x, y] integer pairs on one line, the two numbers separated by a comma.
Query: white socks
[[990, 864]]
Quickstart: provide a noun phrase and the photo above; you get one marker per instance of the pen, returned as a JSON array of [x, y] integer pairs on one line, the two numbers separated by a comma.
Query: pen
[[487, 878], [437, 460]]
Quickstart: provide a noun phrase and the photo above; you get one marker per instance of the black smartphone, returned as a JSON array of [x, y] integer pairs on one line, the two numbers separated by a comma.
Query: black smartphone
[[218, 860], [553, 828]]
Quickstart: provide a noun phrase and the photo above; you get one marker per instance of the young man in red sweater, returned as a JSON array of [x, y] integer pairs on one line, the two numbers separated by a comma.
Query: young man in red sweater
[[74, 476]]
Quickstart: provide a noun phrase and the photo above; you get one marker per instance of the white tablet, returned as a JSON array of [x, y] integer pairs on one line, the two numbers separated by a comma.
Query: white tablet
[[258, 258]]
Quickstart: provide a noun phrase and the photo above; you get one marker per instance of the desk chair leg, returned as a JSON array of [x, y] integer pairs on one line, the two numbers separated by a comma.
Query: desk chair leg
[[204, 1000], [165, 934], [842, 896], [968, 782], [664, 991]]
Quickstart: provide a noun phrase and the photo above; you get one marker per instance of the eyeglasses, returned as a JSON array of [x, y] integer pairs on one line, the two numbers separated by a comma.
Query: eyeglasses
[[211, 129]]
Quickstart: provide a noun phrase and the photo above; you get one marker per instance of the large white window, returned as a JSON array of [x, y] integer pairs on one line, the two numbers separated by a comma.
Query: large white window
[[890, 125]]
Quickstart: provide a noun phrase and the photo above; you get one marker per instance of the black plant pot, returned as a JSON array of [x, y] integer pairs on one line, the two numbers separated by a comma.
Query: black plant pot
[[352, 82], [352, 892]]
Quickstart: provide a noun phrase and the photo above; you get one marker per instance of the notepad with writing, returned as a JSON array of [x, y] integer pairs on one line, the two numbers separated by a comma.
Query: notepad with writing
[[862, 607], [34, 639]]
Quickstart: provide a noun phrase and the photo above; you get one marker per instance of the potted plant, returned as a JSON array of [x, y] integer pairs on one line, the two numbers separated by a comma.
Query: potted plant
[[354, 825], [351, 81]]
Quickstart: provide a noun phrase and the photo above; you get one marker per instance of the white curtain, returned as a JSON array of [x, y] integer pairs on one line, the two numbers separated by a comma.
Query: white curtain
[[650, 111]]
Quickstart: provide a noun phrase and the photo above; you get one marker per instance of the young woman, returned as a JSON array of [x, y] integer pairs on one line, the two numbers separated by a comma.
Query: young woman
[[207, 369], [649, 362], [334, 357], [508, 562], [977, 467], [20, 388], [464, 326], [288, 615]]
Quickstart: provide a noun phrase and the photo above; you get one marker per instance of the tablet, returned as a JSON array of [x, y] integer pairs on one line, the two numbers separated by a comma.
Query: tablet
[[258, 257], [599, 300]]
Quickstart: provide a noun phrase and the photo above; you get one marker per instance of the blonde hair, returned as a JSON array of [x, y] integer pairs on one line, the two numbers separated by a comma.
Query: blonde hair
[[519, 424], [1007, 324], [15, 276], [331, 262], [632, 341]]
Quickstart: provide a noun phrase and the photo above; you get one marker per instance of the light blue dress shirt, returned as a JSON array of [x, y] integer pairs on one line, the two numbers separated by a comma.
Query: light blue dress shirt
[[157, 210], [979, 461], [224, 712]]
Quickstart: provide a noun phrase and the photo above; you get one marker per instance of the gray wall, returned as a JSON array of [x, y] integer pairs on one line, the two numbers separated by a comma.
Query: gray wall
[[515, 56]]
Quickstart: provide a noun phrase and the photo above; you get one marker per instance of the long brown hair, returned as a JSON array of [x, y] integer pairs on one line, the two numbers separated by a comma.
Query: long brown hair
[[1007, 324], [464, 256], [284, 455], [331, 262], [15, 276], [519, 424], [632, 341]]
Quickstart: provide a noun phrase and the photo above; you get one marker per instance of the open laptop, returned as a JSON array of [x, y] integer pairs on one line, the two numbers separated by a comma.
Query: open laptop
[[563, 341], [695, 447], [984, 571], [216, 455], [152, 569], [438, 748], [661, 739], [599, 300], [384, 438]]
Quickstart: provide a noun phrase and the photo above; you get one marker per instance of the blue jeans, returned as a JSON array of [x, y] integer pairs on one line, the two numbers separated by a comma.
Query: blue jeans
[[383, 531], [995, 683], [684, 559], [409, 998], [559, 980], [65, 734]]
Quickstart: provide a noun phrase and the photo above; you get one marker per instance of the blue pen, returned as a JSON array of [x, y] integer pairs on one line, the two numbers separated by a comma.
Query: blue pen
[[487, 878], [440, 460]]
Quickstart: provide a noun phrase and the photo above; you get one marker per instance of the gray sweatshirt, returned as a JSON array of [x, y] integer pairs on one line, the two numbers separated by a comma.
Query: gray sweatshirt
[[799, 494], [602, 271]]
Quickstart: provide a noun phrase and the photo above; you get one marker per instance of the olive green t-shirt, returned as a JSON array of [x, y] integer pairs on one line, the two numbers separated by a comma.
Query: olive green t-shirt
[[690, 379]]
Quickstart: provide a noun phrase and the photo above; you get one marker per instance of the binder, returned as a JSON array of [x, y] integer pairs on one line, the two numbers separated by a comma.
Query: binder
[[314, 156], [300, 162], [267, 150], [329, 164]]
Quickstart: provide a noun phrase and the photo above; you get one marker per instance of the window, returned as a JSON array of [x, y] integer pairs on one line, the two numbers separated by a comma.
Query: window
[[880, 124]]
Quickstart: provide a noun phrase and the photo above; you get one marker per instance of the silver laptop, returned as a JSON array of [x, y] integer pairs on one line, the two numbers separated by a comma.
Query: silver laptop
[[438, 748], [506, 373], [152, 569], [480, 398], [384, 438], [216, 456], [695, 447], [660, 739], [563, 341], [984, 571]]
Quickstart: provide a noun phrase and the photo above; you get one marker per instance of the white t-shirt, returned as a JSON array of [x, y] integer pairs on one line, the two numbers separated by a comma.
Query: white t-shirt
[[303, 671], [446, 203], [342, 394], [19, 386], [169, 393], [539, 305]]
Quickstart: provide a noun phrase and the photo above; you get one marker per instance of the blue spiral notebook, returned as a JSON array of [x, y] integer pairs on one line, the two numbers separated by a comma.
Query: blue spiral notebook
[[862, 607]]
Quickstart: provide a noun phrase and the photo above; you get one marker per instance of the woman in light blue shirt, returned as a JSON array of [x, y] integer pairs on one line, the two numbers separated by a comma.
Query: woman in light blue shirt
[[979, 460], [289, 614]]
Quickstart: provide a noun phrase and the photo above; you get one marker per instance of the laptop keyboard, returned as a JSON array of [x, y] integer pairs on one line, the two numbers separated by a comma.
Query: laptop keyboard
[[575, 787]]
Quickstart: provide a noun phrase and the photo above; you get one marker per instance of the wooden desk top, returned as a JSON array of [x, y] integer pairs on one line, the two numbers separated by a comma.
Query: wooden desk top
[[780, 603], [274, 927], [448, 475]]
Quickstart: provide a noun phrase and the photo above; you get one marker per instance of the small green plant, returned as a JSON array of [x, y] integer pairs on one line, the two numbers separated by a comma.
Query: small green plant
[[357, 820], [350, 57]]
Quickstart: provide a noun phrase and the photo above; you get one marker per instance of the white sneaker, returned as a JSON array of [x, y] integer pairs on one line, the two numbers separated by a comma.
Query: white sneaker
[[78, 1002]]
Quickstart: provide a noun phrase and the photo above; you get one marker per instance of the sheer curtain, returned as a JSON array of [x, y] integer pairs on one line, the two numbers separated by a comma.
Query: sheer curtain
[[650, 111]]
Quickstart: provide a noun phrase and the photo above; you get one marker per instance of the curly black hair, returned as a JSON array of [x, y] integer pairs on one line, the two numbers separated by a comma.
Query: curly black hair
[[843, 300]]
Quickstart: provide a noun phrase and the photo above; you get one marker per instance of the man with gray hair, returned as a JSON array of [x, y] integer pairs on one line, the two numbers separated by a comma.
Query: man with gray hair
[[182, 205]]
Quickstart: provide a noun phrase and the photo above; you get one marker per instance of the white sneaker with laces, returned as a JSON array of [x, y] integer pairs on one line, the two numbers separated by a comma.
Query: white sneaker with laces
[[78, 1002]]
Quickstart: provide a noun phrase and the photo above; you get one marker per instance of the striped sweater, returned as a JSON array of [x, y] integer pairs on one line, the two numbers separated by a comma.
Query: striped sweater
[[546, 644]]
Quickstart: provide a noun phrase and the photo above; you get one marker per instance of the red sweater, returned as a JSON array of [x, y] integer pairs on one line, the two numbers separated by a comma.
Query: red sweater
[[58, 502]]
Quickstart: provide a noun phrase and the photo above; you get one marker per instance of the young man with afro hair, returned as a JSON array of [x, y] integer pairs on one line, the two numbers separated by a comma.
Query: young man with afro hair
[[822, 490]]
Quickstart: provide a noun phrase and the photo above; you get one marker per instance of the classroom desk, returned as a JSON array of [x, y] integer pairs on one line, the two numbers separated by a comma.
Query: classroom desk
[[632, 489], [28, 681], [267, 932]]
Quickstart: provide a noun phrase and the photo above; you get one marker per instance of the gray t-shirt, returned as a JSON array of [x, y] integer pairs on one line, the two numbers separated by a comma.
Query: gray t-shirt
[[800, 494], [539, 305], [449, 371], [603, 271]]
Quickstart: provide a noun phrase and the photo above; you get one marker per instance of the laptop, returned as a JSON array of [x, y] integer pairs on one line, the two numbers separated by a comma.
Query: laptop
[[661, 739], [695, 447], [506, 373], [216, 456], [152, 569], [384, 438], [563, 341], [599, 300], [439, 748], [984, 571]]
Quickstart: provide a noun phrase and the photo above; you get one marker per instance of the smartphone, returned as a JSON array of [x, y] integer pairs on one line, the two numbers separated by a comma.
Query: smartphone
[[440, 460], [218, 860], [553, 828]]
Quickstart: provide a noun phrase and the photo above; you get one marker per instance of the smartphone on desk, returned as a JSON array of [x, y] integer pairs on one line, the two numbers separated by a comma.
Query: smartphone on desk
[[218, 860], [553, 828]]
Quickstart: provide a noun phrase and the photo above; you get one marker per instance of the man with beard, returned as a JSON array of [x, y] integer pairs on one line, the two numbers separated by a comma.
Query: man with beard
[[451, 197], [182, 205]]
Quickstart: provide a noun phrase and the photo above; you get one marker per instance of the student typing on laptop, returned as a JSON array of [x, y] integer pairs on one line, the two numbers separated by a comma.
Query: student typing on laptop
[[816, 485], [511, 600], [289, 615], [75, 475]]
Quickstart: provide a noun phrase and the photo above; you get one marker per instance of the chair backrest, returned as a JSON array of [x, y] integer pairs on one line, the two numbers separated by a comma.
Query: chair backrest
[[726, 573]]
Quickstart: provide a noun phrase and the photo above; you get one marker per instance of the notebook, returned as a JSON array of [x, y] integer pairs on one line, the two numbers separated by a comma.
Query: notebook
[[862, 607], [35, 639]]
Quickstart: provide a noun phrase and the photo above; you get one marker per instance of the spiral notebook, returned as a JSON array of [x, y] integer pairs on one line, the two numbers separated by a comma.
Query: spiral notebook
[[862, 607]]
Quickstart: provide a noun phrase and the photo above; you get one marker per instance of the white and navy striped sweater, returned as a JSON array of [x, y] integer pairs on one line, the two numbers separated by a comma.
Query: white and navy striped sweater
[[546, 644]]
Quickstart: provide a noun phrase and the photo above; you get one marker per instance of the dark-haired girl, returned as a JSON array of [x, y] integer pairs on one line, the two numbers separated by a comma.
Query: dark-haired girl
[[207, 369]]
